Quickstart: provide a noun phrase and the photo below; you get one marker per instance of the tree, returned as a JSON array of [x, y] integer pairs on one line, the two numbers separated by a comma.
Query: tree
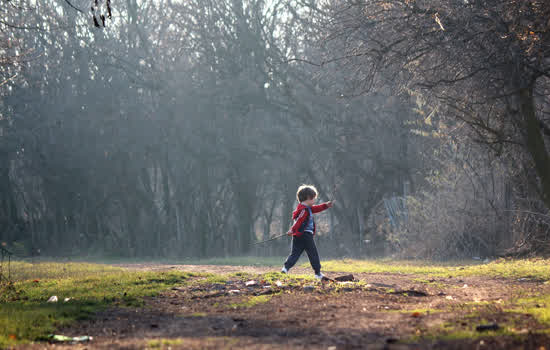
[[485, 62]]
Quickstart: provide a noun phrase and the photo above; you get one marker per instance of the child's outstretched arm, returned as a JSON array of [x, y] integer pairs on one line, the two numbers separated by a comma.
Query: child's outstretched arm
[[299, 221], [319, 208]]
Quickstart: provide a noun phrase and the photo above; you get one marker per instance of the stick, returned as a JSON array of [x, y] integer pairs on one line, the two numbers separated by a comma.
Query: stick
[[271, 239]]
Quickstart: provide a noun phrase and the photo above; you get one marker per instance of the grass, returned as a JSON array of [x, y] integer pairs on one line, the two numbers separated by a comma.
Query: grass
[[537, 306], [26, 316], [252, 301], [231, 261], [211, 279], [163, 343], [535, 269]]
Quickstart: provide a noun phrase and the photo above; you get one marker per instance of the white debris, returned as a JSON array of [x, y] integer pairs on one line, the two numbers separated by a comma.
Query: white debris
[[66, 299], [234, 291], [346, 283], [53, 299], [449, 297], [278, 283], [250, 283], [465, 286]]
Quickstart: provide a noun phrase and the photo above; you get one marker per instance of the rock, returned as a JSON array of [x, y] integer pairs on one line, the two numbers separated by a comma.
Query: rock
[[345, 278], [487, 327], [57, 338], [411, 293]]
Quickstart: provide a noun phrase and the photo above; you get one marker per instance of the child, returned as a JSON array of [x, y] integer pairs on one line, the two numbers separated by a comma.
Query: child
[[303, 229]]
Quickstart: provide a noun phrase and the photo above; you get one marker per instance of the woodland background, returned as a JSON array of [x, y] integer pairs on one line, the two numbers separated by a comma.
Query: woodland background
[[183, 128]]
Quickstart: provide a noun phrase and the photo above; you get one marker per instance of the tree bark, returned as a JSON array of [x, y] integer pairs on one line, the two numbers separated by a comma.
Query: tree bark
[[534, 142]]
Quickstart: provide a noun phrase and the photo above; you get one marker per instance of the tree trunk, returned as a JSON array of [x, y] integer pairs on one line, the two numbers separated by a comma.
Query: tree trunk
[[535, 142]]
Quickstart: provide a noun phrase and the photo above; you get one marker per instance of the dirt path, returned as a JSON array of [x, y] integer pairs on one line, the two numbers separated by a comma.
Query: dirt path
[[378, 313]]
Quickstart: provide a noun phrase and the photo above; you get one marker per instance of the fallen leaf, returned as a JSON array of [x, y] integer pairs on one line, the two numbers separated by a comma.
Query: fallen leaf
[[12, 336], [416, 314]]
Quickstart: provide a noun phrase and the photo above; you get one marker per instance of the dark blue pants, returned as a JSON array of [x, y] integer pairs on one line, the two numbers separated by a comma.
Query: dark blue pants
[[299, 244]]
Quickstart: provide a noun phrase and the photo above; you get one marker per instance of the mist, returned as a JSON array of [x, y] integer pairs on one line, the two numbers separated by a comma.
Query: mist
[[182, 129]]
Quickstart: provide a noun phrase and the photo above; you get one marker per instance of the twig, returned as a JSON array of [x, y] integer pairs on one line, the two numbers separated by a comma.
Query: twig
[[74, 7], [7, 80]]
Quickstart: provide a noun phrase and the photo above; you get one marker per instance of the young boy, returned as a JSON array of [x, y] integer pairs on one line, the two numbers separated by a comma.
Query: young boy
[[303, 229]]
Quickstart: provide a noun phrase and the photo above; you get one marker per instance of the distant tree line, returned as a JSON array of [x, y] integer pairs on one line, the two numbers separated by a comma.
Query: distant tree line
[[182, 129]]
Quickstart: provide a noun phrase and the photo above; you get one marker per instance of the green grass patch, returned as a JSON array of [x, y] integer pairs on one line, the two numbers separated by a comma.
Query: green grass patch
[[237, 261], [212, 279], [288, 279], [538, 306], [26, 316], [252, 301], [460, 329], [536, 269], [163, 343], [231, 261]]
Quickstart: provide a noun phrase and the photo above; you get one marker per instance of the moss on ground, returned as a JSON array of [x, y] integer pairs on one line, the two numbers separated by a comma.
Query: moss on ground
[[252, 301], [25, 314], [529, 269]]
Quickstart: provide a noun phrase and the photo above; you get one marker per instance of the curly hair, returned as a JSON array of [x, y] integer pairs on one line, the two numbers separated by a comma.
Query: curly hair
[[306, 192]]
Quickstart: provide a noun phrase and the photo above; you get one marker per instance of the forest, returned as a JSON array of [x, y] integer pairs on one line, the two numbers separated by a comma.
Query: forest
[[153, 157], [183, 128]]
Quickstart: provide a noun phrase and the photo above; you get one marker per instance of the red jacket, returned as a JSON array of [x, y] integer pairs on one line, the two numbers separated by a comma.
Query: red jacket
[[301, 214]]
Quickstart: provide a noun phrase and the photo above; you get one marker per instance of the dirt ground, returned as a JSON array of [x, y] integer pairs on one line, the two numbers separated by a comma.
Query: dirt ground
[[383, 311]]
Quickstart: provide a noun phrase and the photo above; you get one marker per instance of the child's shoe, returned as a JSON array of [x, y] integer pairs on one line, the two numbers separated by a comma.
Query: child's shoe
[[284, 270], [320, 276]]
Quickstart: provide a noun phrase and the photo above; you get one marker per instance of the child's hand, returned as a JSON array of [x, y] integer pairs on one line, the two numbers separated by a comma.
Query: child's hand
[[289, 233], [329, 204]]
